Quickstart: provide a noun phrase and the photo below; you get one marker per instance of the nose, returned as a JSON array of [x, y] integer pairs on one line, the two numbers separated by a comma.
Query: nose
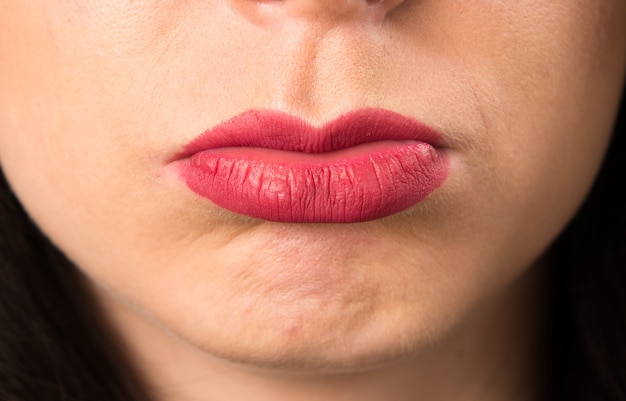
[[339, 9], [333, 10]]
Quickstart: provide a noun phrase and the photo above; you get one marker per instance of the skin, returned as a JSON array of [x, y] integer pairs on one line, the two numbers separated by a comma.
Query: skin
[[437, 301]]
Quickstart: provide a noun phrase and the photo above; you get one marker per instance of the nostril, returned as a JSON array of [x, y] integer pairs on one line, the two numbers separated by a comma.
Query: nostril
[[334, 10]]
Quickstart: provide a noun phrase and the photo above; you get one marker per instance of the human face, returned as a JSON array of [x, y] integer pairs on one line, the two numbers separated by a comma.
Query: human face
[[98, 98]]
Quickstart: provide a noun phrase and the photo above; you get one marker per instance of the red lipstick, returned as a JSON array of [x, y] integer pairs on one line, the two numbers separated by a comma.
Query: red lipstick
[[364, 165]]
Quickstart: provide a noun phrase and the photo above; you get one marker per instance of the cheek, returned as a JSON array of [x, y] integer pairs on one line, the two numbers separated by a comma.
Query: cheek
[[545, 94], [74, 109]]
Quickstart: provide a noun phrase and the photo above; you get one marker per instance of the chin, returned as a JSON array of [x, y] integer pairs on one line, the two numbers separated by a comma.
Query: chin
[[315, 351], [313, 335]]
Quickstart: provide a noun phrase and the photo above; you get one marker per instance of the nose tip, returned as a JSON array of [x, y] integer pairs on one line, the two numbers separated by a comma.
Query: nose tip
[[333, 9]]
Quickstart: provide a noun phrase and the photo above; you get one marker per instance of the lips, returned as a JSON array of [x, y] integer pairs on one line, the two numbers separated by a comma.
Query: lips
[[364, 165]]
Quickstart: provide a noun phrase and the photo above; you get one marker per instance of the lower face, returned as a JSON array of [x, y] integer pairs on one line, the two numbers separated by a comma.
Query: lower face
[[97, 100]]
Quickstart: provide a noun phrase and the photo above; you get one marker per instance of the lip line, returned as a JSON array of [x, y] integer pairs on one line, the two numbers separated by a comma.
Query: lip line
[[278, 130]]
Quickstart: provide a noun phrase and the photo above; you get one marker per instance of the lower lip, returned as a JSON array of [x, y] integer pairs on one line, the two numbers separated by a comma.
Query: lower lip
[[357, 184]]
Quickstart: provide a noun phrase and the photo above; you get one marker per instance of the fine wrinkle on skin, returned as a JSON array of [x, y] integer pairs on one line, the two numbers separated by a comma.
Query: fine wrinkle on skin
[[473, 85]]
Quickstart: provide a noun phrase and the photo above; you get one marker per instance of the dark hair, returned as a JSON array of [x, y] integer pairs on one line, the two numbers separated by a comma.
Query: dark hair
[[589, 319], [55, 346]]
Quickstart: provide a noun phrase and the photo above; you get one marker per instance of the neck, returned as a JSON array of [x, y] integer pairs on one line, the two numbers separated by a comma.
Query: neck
[[494, 354]]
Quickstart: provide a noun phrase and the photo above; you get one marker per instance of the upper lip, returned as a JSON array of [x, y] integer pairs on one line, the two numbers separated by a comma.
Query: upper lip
[[263, 128]]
